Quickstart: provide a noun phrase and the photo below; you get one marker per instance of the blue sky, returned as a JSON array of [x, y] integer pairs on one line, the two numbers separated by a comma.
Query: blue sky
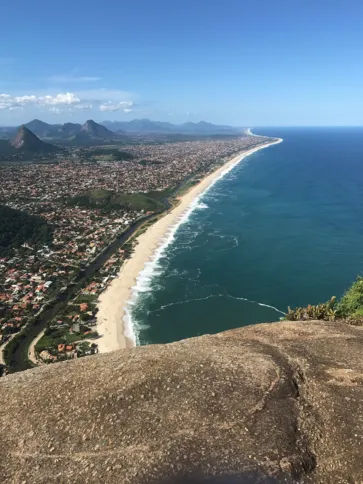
[[240, 62]]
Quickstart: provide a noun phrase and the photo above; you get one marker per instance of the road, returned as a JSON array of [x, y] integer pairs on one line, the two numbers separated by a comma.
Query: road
[[19, 354], [31, 352], [24, 342]]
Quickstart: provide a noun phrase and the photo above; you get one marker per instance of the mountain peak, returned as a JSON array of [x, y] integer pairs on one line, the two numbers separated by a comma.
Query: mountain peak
[[90, 122], [96, 130], [40, 128], [26, 140], [37, 121]]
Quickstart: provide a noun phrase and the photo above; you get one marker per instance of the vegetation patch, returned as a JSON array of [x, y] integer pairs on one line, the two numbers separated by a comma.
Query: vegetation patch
[[17, 227], [351, 304], [107, 153], [325, 311], [54, 336], [348, 308], [109, 201]]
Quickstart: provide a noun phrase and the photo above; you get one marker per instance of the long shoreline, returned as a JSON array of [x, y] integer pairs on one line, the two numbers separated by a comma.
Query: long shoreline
[[113, 322]]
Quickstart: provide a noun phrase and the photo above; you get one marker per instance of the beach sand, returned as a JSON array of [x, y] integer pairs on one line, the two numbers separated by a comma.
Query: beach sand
[[114, 333]]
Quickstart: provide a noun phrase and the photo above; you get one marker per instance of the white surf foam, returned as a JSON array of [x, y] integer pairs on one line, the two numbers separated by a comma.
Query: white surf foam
[[256, 302], [144, 279], [185, 301], [202, 205]]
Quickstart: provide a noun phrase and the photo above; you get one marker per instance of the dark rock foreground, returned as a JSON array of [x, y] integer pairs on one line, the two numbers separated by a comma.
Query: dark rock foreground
[[269, 403]]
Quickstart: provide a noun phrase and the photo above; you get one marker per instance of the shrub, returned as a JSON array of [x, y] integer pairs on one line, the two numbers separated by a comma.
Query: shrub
[[351, 304], [325, 311]]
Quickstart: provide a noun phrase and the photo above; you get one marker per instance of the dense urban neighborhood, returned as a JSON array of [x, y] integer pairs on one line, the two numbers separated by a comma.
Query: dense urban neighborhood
[[86, 200]]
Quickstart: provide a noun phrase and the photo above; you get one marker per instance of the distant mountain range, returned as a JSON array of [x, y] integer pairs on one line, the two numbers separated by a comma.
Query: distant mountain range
[[78, 133], [26, 138], [148, 126], [118, 129], [38, 136]]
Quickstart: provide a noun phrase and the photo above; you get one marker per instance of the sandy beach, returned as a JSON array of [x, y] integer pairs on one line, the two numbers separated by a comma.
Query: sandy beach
[[114, 332]]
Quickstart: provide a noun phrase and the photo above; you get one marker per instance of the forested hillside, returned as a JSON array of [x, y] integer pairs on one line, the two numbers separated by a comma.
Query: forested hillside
[[108, 201], [17, 227]]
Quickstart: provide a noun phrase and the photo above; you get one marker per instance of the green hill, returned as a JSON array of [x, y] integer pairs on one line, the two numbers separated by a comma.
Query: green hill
[[17, 227], [109, 201]]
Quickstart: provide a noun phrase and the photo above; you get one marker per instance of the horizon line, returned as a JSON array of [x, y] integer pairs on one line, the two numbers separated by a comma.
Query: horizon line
[[197, 122]]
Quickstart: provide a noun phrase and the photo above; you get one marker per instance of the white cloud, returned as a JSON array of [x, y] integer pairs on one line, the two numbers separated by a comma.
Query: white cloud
[[121, 106], [65, 99], [21, 100], [84, 106], [62, 99], [102, 99], [72, 78]]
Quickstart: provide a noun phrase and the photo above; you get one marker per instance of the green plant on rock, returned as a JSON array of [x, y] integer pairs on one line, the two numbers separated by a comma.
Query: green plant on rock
[[332, 313], [351, 304], [323, 311], [348, 308]]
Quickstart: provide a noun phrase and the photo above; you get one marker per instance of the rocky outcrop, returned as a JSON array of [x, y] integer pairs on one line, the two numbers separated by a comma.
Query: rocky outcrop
[[97, 130], [25, 140], [267, 403]]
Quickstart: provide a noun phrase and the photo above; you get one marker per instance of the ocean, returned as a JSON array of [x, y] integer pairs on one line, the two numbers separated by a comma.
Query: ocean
[[283, 228]]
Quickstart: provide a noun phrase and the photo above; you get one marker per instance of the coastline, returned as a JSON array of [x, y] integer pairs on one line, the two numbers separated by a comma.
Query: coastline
[[113, 322]]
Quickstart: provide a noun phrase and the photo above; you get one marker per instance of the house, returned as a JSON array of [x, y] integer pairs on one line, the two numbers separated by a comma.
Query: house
[[61, 348], [46, 356]]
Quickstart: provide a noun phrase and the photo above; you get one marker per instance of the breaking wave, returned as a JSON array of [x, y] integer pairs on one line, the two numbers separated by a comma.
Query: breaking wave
[[202, 205]]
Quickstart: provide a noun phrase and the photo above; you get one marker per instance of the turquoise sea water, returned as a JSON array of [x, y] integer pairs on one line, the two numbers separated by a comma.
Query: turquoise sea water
[[284, 227]]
